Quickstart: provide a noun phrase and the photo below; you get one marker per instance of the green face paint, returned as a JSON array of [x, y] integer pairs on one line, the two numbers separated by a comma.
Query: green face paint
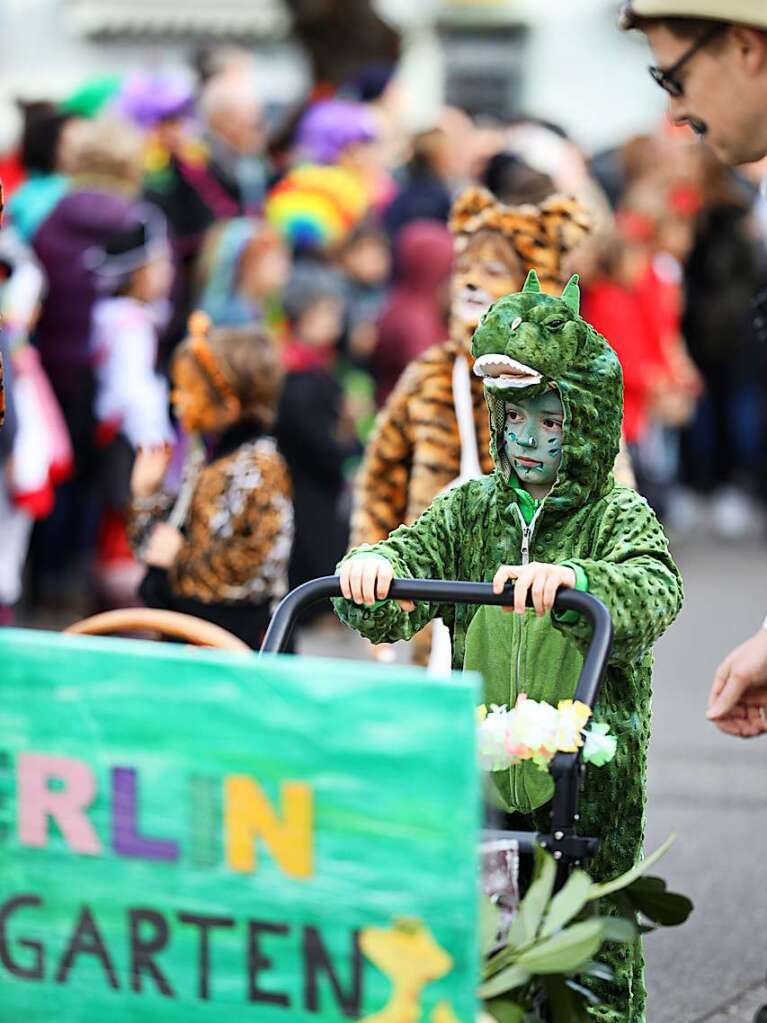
[[533, 438]]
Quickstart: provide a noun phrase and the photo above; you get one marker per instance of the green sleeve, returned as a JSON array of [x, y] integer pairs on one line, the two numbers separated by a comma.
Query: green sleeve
[[633, 574], [425, 550], [581, 583]]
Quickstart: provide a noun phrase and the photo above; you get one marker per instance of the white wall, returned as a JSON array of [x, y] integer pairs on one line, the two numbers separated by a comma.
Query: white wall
[[587, 75]]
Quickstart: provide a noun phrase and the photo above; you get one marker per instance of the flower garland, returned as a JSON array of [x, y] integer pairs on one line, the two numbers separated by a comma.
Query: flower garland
[[535, 731]]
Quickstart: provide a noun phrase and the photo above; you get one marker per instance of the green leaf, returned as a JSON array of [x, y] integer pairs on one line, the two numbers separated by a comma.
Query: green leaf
[[507, 980], [488, 924], [505, 1011], [567, 903], [618, 928], [524, 926], [598, 891], [565, 951], [648, 896]]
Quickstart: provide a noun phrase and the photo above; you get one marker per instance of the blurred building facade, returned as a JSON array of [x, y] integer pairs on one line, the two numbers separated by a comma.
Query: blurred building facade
[[557, 59]]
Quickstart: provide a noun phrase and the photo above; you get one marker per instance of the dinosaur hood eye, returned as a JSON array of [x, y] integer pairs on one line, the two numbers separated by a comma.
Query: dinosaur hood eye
[[554, 324]]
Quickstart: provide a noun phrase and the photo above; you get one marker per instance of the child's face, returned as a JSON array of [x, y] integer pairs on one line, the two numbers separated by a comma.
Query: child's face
[[264, 271], [533, 440], [321, 325], [152, 282], [486, 269], [369, 261]]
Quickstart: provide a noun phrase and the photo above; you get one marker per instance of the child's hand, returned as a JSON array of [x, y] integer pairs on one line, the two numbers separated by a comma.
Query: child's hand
[[543, 579], [366, 580], [163, 546], [149, 469]]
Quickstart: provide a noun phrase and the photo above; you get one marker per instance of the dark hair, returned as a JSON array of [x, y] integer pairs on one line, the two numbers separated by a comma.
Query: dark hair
[[514, 182], [40, 134]]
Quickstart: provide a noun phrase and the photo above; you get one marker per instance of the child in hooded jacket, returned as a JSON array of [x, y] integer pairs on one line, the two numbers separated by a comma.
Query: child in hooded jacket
[[220, 549], [549, 516]]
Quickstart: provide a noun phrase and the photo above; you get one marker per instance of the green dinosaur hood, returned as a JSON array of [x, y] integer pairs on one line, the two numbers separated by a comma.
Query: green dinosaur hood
[[530, 342]]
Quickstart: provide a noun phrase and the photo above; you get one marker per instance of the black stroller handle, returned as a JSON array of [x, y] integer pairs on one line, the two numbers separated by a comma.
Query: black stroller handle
[[566, 768], [440, 591]]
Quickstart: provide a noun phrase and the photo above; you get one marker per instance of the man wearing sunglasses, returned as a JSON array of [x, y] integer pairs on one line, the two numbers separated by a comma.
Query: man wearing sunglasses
[[712, 61]]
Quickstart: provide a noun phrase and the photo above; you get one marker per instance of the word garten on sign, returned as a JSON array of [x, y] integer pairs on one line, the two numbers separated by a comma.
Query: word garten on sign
[[189, 835]]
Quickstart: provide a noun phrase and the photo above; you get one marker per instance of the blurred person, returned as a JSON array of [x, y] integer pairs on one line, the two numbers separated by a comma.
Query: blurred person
[[424, 193], [243, 268], [634, 297], [101, 200], [160, 105], [314, 430], [365, 261], [511, 180], [415, 316], [723, 450], [315, 207], [344, 133], [460, 132], [547, 148], [48, 136], [432, 433], [131, 400], [219, 550], [40, 457]]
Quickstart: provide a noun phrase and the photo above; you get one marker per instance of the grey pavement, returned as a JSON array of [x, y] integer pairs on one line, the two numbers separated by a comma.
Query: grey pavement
[[710, 789], [706, 787]]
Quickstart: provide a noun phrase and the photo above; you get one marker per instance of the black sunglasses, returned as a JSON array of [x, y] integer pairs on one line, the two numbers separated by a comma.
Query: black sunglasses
[[667, 79]]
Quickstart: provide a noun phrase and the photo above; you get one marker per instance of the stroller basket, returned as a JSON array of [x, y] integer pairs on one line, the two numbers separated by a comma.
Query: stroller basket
[[563, 842]]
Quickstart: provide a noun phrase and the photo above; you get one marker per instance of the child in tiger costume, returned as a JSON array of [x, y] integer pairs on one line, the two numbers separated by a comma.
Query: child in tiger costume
[[433, 431]]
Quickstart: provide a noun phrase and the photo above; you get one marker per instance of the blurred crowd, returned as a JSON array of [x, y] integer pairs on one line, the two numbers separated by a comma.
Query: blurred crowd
[[316, 249]]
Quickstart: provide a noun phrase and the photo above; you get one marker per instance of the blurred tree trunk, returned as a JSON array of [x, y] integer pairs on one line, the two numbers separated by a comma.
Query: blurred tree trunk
[[341, 37]]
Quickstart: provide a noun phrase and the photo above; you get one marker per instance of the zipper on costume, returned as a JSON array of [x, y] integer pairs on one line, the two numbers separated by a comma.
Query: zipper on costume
[[527, 536]]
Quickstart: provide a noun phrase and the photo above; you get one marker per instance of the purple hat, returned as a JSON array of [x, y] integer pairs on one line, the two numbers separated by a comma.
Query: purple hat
[[146, 99], [328, 127]]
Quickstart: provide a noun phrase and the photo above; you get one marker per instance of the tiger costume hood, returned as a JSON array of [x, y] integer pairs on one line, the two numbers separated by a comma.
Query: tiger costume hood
[[496, 245]]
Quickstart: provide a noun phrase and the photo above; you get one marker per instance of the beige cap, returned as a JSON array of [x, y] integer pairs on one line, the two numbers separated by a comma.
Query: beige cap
[[747, 12]]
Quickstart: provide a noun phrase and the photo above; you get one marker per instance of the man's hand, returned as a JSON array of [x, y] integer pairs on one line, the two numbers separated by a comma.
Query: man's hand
[[541, 579], [366, 580], [737, 703], [163, 546]]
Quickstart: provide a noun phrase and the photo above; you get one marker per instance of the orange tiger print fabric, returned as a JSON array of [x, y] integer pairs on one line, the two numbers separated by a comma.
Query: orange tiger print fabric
[[238, 530]]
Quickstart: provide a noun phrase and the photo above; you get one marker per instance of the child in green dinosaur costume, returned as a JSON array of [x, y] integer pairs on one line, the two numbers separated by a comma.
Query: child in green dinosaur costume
[[554, 392]]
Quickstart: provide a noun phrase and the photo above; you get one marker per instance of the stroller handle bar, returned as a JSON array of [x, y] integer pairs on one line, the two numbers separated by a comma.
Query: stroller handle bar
[[566, 767], [440, 591]]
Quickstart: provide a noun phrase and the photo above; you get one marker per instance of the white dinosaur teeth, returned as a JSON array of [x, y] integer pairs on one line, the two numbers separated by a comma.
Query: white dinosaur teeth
[[499, 370]]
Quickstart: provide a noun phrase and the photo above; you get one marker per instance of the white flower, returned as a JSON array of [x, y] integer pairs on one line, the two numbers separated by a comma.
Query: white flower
[[491, 740]]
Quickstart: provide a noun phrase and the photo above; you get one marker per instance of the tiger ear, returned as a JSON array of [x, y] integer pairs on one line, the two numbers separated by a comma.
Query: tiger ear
[[532, 284], [571, 296]]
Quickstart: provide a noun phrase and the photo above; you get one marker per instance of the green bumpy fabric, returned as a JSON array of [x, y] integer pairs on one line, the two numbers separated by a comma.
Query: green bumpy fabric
[[609, 532]]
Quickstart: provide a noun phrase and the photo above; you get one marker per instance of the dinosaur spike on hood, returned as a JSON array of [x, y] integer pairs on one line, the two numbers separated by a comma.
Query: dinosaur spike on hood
[[532, 284], [572, 295]]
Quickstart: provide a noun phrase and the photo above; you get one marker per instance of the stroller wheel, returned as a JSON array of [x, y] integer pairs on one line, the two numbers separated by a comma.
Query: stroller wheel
[[761, 1015]]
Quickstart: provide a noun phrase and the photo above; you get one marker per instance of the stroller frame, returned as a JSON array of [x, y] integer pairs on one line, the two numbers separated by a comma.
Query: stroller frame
[[566, 845]]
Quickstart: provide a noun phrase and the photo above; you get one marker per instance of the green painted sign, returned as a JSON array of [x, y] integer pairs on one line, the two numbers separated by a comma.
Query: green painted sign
[[189, 835]]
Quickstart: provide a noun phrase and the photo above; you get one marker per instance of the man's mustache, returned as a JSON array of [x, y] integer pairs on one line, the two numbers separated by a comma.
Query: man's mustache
[[699, 127]]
